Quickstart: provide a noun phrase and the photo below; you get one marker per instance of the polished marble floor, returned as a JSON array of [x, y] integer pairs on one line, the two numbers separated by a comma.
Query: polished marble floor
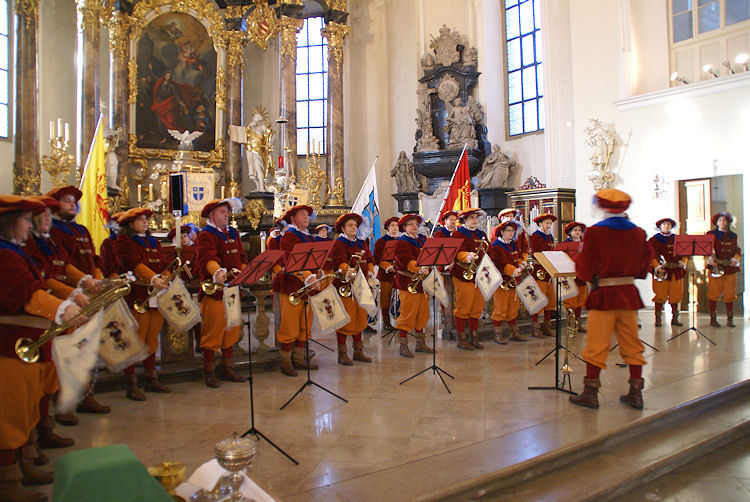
[[399, 442]]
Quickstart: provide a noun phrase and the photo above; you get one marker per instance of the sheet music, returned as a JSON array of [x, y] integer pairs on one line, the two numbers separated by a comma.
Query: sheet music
[[561, 261]]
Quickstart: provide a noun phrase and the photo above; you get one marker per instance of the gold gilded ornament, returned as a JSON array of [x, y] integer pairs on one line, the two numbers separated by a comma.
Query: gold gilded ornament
[[335, 34], [338, 193], [119, 26], [28, 182], [30, 11], [221, 89], [254, 212], [289, 27], [132, 81], [262, 24]]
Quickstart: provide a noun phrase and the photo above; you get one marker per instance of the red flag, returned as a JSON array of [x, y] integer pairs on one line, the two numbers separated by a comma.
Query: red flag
[[458, 196]]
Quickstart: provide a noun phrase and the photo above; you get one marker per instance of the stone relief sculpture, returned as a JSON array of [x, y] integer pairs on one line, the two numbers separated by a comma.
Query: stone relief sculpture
[[404, 175], [426, 140], [459, 124], [497, 170]]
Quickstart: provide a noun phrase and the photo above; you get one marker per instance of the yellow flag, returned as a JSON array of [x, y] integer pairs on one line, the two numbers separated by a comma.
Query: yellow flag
[[93, 203]]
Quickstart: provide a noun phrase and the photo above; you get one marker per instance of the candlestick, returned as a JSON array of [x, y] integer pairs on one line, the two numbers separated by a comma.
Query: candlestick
[[59, 127], [51, 129], [140, 197], [67, 132], [178, 232], [308, 148], [164, 192]]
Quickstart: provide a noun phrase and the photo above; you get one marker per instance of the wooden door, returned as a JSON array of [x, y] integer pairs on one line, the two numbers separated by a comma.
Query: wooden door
[[695, 219]]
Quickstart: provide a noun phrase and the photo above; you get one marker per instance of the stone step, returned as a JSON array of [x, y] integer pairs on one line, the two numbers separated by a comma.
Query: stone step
[[616, 463]]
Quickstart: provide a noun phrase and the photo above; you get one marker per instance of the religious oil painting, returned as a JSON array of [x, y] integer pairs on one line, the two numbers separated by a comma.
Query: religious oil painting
[[176, 83]]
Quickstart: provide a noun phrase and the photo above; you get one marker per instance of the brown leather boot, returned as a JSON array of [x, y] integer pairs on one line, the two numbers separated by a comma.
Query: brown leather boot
[[386, 320], [227, 373], [11, 489], [359, 352], [403, 349], [209, 373], [730, 321], [675, 315], [657, 318], [588, 397], [91, 405], [153, 384], [298, 359], [343, 358], [47, 436], [536, 330], [421, 345], [500, 337], [132, 391], [287, 367], [581, 327], [475, 340], [462, 343], [30, 475], [547, 328], [41, 458], [515, 334], [634, 398], [714, 322], [66, 418]]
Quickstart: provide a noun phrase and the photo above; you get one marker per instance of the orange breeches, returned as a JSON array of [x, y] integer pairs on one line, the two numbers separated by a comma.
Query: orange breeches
[[414, 311], [624, 324], [579, 301], [293, 326], [505, 305], [214, 332], [725, 286], [149, 326], [469, 301], [357, 316], [668, 291], [386, 290], [548, 288], [23, 385]]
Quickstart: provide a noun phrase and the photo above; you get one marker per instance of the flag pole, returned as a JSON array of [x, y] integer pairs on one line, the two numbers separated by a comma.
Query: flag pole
[[99, 124], [442, 204]]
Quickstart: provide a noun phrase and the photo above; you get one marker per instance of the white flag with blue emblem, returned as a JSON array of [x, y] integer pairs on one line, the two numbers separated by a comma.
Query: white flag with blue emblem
[[368, 206]]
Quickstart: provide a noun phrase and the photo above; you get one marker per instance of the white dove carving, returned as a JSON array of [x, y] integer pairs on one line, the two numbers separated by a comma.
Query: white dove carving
[[186, 138]]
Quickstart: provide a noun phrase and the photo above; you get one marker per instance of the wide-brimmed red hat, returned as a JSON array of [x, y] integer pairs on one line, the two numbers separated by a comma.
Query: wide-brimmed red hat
[[468, 212], [545, 216], [115, 216], [184, 229], [49, 202], [287, 216], [321, 227], [502, 226], [213, 204], [612, 200], [346, 217], [670, 220], [446, 214], [59, 192], [570, 226], [9, 203], [407, 217], [507, 210], [725, 214], [131, 214], [389, 221]]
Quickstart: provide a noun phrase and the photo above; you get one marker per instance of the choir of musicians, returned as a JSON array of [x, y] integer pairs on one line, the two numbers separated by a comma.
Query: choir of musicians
[[51, 271]]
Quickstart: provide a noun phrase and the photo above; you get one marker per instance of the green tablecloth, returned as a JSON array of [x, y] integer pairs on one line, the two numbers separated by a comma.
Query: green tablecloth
[[106, 474]]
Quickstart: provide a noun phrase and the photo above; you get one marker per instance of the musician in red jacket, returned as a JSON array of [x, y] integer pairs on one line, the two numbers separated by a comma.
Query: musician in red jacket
[[137, 251], [469, 301], [110, 267], [572, 246], [664, 261], [726, 257], [26, 308], [219, 251], [449, 224], [522, 240], [386, 270], [296, 321], [349, 255], [415, 310], [509, 261], [542, 240], [614, 254]]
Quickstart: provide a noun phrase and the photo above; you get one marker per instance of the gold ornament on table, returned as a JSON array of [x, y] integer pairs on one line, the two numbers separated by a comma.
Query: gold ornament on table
[[28, 183], [262, 24], [170, 476], [336, 197], [313, 177], [254, 212], [59, 163], [602, 139]]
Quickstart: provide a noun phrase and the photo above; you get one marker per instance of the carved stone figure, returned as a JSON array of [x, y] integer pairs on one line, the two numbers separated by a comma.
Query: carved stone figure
[[428, 62], [445, 47], [460, 125], [471, 57], [426, 140], [259, 153], [475, 110], [405, 176], [497, 170]]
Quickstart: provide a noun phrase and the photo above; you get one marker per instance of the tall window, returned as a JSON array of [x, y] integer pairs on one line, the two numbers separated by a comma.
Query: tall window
[[523, 43], [694, 17], [4, 73], [312, 87]]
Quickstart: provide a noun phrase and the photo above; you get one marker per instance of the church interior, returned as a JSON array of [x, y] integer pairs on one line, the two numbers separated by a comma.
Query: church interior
[[368, 110]]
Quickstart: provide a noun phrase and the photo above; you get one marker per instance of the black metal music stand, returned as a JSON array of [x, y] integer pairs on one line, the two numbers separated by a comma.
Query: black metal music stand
[[693, 245], [253, 274], [308, 256], [559, 385], [436, 252]]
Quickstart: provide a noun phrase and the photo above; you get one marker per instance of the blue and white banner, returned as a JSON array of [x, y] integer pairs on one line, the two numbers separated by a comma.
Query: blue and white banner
[[368, 206]]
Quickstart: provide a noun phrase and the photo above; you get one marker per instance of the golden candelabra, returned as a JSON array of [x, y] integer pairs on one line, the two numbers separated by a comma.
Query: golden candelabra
[[59, 164], [313, 177]]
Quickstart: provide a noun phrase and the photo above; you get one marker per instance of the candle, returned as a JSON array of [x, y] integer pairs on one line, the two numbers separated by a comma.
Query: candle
[[67, 132], [164, 191], [262, 241], [140, 199], [178, 232], [150, 192], [489, 225], [51, 129], [308, 148], [59, 127], [281, 162], [222, 191]]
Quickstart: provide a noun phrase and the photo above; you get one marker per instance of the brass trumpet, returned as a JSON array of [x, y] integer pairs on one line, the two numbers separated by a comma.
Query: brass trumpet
[[296, 297], [28, 350], [173, 268], [413, 286], [513, 281], [345, 289], [210, 287], [572, 329], [661, 275], [470, 270]]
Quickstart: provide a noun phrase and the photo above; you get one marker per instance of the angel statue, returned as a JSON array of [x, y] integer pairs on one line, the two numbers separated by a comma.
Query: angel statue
[[186, 138], [111, 142], [404, 175], [259, 150], [497, 169]]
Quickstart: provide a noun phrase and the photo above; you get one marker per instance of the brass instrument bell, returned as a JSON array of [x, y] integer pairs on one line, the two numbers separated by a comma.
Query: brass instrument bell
[[209, 287]]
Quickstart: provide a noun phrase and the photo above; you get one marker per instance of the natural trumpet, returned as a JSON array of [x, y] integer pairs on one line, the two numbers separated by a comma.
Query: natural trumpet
[[296, 297], [173, 271], [345, 290], [413, 286], [513, 281], [661, 274], [28, 350], [470, 270], [210, 287]]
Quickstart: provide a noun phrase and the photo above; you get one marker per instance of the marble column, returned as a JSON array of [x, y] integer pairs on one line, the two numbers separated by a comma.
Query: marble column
[[335, 34], [288, 89], [26, 177], [90, 17], [235, 43], [119, 44]]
